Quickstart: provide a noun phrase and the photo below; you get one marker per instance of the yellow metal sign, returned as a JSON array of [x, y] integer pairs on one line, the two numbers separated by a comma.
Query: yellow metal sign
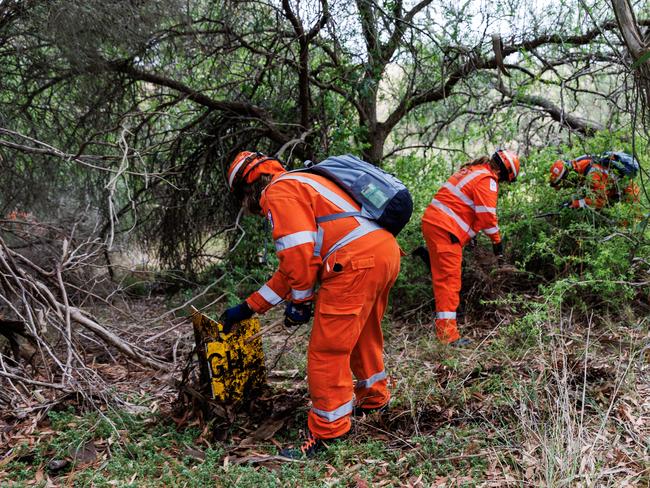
[[234, 367]]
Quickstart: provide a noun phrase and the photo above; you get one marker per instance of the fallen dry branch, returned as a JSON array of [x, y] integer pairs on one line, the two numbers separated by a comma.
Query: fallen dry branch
[[43, 271]]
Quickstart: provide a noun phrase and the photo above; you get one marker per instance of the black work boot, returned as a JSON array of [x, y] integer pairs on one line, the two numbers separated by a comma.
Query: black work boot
[[309, 448], [359, 411]]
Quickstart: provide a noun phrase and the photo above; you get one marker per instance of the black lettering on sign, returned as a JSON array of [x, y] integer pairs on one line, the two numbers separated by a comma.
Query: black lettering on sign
[[217, 366]]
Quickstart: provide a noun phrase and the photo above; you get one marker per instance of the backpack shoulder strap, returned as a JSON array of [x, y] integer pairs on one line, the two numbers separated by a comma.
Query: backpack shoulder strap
[[348, 209]]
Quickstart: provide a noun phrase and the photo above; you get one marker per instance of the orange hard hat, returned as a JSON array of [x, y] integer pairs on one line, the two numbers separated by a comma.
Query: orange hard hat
[[558, 171], [508, 164], [248, 166]]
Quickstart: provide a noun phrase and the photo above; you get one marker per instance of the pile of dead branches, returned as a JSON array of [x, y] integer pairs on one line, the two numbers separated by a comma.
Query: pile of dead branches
[[49, 278]]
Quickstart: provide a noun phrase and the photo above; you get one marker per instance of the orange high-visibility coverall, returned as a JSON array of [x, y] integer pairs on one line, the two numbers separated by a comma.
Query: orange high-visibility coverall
[[356, 263], [604, 185], [465, 205]]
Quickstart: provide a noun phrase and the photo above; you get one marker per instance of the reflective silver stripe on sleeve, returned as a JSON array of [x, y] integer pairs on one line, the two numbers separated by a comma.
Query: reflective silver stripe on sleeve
[[301, 294], [582, 203], [483, 209], [269, 295], [456, 191], [461, 223], [491, 230], [335, 414], [445, 315], [470, 177], [368, 382], [295, 239]]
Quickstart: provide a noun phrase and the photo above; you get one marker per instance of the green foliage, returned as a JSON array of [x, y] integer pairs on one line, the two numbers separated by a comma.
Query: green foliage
[[586, 256], [245, 269], [582, 258]]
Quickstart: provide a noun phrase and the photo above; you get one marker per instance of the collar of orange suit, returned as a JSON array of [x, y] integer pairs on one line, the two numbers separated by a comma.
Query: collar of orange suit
[[275, 177], [491, 170], [581, 166]]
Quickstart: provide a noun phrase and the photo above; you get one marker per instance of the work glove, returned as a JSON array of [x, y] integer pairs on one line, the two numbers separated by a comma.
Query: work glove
[[462, 342], [565, 205], [297, 314], [234, 315], [422, 253]]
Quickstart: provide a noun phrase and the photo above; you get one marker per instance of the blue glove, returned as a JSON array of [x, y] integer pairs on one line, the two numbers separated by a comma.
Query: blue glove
[[234, 315], [462, 342], [297, 314]]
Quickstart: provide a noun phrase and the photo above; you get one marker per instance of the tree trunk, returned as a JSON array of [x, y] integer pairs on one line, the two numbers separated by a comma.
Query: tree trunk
[[374, 152]]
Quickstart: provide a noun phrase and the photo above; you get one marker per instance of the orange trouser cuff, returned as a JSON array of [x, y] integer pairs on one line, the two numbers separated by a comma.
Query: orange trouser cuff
[[372, 392], [323, 427], [447, 331]]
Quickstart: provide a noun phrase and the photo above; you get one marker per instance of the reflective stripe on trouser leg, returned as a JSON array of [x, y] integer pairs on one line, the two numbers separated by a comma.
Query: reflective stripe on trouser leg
[[446, 328], [337, 413], [368, 382], [446, 264], [445, 315]]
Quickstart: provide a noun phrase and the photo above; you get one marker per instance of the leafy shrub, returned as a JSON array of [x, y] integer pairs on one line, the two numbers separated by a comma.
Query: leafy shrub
[[581, 257]]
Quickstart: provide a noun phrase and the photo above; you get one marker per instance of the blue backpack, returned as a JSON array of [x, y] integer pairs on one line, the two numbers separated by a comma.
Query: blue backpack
[[624, 164], [382, 197]]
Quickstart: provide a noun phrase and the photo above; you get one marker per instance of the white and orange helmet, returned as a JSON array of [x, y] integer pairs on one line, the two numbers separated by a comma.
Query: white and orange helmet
[[248, 166], [559, 170], [508, 164]]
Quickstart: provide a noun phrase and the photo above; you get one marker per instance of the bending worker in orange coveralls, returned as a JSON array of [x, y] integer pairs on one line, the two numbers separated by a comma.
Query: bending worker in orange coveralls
[[356, 263], [603, 184], [465, 205]]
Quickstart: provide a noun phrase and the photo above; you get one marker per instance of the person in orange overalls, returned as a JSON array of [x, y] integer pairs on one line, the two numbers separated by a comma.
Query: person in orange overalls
[[465, 205], [603, 184], [356, 263]]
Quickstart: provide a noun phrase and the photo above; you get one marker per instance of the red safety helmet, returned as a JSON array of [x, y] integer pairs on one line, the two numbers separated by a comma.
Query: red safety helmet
[[248, 166], [508, 164], [559, 171]]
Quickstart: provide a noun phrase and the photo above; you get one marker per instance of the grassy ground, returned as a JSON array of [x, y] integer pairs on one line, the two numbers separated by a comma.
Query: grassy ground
[[529, 404]]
